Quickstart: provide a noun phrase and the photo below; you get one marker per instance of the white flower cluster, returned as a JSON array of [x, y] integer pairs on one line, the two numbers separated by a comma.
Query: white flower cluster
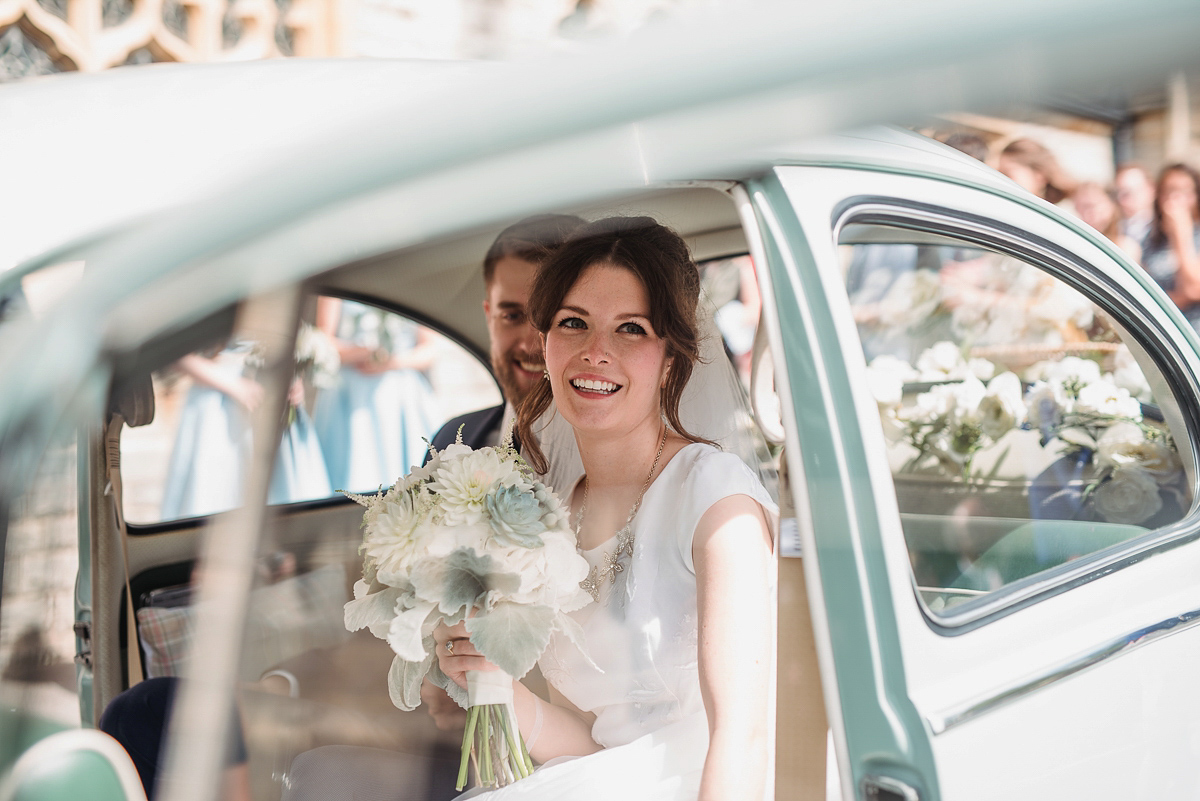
[[1069, 401], [470, 536], [956, 417]]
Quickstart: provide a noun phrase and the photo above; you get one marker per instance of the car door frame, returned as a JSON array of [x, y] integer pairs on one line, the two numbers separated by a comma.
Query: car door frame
[[891, 673]]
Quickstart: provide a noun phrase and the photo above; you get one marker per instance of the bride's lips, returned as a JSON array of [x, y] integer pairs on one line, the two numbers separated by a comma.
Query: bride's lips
[[594, 386]]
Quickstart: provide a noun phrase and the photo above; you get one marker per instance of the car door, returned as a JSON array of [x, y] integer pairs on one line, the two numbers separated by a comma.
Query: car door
[[991, 622]]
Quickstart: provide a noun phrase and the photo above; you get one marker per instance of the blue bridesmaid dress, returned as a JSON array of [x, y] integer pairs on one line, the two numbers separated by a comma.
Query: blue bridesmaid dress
[[373, 428]]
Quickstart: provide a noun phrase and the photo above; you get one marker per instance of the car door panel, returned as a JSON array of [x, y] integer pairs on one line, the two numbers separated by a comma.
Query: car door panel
[[994, 665]]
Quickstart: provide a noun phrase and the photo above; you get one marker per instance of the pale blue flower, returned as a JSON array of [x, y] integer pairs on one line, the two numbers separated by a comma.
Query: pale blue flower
[[515, 516]]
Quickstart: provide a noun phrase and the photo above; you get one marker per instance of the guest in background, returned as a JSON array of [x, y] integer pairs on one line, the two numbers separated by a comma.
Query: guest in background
[[1033, 167], [1096, 206], [1135, 198], [973, 145], [1170, 255]]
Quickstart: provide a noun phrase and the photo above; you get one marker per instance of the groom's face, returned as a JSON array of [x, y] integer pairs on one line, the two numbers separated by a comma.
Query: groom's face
[[516, 349]]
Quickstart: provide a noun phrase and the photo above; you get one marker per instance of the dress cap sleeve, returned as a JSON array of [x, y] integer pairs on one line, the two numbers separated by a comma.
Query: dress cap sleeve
[[714, 475]]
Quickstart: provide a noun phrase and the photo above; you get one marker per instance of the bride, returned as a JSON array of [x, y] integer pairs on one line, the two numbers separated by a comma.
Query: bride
[[671, 699]]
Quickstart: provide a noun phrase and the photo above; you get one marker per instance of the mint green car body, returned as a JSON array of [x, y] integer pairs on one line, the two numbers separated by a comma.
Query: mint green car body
[[660, 111]]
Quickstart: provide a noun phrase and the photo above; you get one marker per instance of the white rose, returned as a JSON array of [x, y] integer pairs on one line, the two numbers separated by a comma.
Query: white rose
[[1126, 445], [893, 365], [968, 395], [981, 369], [1127, 374], [1116, 443], [1002, 408], [1103, 397], [1129, 496], [940, 361], [1073, 368]]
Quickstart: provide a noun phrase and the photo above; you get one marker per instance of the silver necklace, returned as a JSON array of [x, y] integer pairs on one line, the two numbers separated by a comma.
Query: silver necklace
[[614, 562]]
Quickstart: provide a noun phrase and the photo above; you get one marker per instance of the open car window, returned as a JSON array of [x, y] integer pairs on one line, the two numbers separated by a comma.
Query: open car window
[[1025, 427], [370, 388]]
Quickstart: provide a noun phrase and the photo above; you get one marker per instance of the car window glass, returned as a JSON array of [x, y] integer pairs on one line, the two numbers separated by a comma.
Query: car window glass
[[1021, 425], [37, 642], [731, 288], [370, 387]]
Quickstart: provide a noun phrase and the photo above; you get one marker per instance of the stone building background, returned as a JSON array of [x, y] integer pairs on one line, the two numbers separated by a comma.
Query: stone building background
[[40, 37]]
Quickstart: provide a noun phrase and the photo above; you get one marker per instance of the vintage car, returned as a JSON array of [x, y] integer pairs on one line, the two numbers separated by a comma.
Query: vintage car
[[981, 418]]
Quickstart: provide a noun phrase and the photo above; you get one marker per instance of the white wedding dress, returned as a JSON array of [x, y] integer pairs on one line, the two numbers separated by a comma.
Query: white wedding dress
[[642, 636]]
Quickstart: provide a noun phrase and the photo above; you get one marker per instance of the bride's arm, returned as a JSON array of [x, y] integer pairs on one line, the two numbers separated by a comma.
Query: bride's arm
[[731, 551], [562, 729]]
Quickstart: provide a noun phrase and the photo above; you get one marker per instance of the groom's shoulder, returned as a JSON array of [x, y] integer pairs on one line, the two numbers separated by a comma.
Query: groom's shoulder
[[475, 426]]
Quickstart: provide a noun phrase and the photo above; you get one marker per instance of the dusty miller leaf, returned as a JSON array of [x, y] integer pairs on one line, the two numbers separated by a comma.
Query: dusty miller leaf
[[462, 579], [458, 694], [374, 611], [404, 682], [512, 636]]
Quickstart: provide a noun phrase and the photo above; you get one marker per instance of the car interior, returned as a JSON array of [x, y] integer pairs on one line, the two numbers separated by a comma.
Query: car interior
[[306, 681]]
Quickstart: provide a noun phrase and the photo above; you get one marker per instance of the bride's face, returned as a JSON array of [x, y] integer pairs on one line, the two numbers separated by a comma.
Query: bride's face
[[606, 362]]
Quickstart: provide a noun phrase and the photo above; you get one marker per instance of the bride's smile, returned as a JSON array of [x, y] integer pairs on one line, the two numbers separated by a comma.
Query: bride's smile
[[605, 361]]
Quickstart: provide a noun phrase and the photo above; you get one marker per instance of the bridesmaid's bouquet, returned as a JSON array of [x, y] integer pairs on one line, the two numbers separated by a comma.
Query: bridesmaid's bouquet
[[471, 536]]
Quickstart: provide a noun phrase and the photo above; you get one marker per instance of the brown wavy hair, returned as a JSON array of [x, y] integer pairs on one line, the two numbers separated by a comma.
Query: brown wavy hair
[[1037, 157], [660, 259]]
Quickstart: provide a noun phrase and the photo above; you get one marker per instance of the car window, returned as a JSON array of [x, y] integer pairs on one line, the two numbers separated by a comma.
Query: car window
[[370, 388], [1024, 426], [730, 286]]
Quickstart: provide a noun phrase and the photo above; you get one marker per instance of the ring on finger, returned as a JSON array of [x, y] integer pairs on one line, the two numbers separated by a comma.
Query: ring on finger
[[450, 647]]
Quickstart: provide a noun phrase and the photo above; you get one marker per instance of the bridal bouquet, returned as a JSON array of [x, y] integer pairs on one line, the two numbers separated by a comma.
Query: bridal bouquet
[[471, 536]]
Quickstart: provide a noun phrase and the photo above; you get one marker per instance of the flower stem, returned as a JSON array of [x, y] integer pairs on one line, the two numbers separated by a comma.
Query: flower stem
[[486, 757], [514, 751], [468, 737]]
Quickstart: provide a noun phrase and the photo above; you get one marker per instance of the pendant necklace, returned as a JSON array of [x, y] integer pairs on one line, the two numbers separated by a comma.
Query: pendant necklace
[[615, 562]]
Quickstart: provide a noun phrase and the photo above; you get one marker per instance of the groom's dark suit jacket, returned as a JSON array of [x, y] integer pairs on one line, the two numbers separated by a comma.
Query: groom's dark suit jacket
[[476, 426]]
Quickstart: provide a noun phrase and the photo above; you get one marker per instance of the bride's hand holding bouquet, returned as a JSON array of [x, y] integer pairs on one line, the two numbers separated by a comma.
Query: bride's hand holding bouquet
[[472, 544]]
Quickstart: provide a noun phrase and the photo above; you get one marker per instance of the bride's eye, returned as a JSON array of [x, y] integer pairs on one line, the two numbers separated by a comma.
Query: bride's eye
[[571, 322], [631, 328]]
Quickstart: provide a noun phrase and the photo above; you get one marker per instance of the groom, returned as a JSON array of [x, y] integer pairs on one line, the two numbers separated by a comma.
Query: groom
[[508, 270]]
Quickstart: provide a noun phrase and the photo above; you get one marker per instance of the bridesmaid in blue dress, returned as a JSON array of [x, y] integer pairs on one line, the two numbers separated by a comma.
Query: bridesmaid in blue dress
[[373, 424], [213, 443]]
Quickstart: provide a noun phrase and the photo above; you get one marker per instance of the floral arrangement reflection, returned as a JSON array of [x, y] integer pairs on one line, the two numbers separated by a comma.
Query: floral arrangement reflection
[[1112, 464]]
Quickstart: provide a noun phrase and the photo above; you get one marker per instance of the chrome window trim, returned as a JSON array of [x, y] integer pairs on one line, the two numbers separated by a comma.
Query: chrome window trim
[[941, 722], [1152, 335]]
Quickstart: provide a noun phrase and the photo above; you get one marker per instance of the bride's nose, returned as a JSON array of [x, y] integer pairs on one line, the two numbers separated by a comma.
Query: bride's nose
[[596, 350]]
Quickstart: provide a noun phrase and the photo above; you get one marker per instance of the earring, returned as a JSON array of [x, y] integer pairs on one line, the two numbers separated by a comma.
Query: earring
[[545, 375]]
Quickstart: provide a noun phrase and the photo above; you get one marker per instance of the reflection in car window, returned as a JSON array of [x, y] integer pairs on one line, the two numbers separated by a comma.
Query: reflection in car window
[[730, 285], [370, 387], [1022, 428]]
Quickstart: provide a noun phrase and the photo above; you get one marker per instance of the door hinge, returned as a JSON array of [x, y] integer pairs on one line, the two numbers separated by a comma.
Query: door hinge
[[885, 788], [83, 630]]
